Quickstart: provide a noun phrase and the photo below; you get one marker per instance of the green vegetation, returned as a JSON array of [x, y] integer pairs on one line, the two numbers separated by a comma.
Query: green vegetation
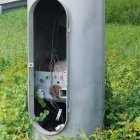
[[123, 38], [123, 11], [122, 116], [14, 121]]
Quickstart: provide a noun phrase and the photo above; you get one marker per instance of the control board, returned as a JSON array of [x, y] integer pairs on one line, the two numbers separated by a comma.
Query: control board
[[51, 85]]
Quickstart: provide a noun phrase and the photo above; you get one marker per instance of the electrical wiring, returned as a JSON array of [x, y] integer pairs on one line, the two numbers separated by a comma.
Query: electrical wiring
[[53, 60], [53, 51]]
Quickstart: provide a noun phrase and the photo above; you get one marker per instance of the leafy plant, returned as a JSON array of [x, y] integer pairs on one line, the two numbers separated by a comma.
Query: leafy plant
[[42, 116]]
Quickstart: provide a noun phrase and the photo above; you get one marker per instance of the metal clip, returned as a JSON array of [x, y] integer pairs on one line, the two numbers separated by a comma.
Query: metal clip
[[30, 65]]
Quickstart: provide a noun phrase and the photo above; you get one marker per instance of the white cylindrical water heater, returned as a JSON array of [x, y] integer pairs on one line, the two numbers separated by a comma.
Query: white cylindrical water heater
[[66, 66]]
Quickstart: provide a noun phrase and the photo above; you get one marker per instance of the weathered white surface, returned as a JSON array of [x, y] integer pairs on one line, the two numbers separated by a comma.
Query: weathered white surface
[[7, 1], [10, 4]]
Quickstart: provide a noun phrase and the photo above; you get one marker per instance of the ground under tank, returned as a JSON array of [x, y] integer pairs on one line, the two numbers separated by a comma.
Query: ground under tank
[[66, 66]]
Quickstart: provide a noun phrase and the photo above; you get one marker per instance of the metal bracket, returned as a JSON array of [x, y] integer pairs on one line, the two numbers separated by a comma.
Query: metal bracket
[[31, 65]]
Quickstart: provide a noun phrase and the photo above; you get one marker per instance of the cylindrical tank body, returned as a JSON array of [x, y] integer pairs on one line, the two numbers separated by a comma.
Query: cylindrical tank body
[[85, 63]]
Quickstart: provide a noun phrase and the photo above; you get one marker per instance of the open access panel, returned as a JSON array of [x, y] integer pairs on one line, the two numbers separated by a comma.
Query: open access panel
[[66, 66], [50, 65]]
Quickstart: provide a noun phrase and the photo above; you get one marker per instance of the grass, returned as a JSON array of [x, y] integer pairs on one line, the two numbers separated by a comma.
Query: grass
[[13, 39], [124, 38], [123, 11], [14, 121], [122, 54]]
